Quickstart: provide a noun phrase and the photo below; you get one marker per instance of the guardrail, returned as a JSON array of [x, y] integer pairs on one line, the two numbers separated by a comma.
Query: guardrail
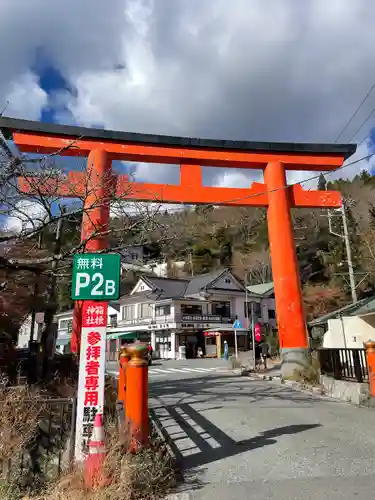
[[344, 364]]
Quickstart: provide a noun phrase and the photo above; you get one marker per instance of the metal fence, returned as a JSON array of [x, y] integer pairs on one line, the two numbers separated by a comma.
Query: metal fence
[[52, 446], [344, 364]]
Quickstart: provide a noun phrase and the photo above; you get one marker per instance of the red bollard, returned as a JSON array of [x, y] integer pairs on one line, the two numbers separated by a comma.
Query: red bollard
[[123, 360], [136, 407], [121, 389], [370, 354]]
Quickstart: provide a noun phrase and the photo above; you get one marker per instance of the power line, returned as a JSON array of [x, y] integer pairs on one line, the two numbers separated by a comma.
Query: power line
[[359, 128], [295, 183], [254, 195], [314, 177], [355, 112]]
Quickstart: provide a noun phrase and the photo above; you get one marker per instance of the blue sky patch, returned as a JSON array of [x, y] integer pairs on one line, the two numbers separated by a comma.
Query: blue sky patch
[[53, 82]]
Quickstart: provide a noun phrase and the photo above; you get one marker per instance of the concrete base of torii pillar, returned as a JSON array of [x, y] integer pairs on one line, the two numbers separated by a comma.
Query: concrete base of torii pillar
[[294, 359]]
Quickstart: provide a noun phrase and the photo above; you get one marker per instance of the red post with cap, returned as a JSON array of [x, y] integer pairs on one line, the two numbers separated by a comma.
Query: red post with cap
[[136, 406], [370, 354]]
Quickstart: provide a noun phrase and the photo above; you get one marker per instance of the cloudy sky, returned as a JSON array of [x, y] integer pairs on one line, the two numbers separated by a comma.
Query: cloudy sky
[[278, 70]]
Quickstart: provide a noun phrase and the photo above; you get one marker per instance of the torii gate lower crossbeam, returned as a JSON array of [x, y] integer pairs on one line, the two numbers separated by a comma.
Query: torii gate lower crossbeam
[[98, 185]]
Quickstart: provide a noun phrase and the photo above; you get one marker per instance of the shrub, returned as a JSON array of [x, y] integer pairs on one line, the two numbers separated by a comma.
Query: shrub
[[21, 412], [309, 375], [146, 475]]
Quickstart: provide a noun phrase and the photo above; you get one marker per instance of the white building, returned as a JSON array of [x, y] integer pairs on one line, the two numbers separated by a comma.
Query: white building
[[25, 330], [161, 268], [263, 299], [348, 327], [170, 313], [64, 327]]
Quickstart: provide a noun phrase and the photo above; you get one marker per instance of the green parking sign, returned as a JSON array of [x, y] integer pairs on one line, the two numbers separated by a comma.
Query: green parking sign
[[96, 276]]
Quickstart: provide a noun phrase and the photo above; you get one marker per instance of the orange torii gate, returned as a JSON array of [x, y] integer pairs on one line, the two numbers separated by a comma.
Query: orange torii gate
[[103, 146]]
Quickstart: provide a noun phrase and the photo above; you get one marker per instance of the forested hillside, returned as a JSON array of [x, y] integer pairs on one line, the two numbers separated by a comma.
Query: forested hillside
[[208, 237]]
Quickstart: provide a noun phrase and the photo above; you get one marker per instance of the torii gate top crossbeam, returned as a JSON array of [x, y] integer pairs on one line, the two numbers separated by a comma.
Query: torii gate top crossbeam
[[37, 137], [190, 154]]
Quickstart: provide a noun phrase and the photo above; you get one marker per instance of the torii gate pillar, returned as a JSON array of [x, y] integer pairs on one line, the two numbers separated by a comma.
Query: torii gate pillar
[[293, 337], [95, 220], [103, 146]]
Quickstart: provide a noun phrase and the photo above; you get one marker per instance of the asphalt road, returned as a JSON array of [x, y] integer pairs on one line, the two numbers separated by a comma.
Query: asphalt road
[[237, 438]]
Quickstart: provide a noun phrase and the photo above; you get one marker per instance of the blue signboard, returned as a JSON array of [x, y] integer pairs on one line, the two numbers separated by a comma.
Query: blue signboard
[[237, 324]]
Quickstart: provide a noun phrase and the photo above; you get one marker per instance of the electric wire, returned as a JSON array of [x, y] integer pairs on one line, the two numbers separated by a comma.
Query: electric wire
[[254, 195], [359, 128], [355, 112]]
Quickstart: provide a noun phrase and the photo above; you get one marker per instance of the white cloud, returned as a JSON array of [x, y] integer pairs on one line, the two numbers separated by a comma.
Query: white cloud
[[25, 98], [27, 215], [280, 70]]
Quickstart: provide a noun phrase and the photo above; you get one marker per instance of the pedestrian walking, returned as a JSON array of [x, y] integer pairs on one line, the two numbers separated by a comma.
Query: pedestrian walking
[[226, 350], [258, 353], [265, 353]]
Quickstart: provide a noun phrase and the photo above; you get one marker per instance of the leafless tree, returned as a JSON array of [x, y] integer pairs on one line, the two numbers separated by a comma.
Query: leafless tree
[[256, 266], [53, 201]]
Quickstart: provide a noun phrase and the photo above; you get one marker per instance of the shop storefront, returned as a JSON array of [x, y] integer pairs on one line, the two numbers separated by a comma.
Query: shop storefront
[[117, 339], [164, 344], [214, 341], [189, 339]]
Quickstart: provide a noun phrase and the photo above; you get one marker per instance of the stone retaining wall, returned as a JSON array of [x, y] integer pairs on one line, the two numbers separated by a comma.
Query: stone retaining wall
[[351, 392]]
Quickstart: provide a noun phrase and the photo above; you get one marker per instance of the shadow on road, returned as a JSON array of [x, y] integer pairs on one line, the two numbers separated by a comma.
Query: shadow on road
[[180, 413], [226, 389], [227, 446]]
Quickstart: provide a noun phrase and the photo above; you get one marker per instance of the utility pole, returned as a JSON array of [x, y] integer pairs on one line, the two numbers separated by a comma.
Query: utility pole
[[345, 237], [252, 325], [253, 332], [191, 263], [35, 296], [349, 255]]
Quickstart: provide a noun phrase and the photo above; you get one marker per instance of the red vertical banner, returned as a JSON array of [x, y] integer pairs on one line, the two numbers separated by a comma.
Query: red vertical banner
[[257, 333], [91, 380]]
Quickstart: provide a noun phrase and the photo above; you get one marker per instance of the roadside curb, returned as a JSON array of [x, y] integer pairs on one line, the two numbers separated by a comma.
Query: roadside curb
[[178, 496], [317, 391], [305, 388], [297, 386], [244, 372], [158, 431]]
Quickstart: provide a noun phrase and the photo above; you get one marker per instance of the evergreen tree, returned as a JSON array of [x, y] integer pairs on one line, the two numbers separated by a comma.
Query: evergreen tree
[[371, 211], [322, 183], [224, 241], [204, 259], [365, 177]]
